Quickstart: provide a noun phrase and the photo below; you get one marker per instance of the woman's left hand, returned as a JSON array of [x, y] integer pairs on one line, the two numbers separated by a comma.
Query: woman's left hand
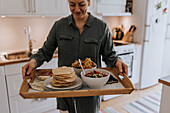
[[122, 67]]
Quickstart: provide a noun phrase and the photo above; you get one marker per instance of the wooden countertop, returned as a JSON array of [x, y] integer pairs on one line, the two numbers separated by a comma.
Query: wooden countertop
[[165, 80], [19, 60], [125, 43]]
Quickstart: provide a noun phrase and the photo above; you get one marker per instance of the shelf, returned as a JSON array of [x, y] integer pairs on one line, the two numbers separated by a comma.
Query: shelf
[[116, 14]]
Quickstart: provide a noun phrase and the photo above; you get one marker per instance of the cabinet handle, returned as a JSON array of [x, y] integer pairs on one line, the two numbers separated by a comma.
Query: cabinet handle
[[34, 6], [29, 6], [27, 2]]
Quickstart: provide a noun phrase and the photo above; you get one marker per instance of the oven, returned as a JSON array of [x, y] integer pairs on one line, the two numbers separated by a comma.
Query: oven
[[126, 53]]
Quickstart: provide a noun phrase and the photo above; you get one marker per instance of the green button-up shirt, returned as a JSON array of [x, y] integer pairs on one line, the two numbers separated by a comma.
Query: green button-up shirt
[[94, 41]]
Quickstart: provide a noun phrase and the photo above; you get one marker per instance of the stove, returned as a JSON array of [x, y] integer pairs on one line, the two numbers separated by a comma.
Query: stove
[[126, 53]]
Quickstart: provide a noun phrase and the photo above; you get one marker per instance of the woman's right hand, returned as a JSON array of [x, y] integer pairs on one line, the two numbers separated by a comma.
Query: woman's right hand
[[27, 68]]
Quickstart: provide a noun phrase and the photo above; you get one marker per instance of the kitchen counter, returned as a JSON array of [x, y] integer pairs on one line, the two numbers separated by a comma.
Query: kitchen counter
[[165, 99], [126, 43], [165, 80], [6, 62]]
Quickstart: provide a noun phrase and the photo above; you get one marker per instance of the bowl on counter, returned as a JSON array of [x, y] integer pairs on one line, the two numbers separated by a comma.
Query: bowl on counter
[[95, 83]]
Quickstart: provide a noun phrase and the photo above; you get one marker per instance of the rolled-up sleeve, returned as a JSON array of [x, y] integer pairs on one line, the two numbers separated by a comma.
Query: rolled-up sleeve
[[107, 49], [46, 52]]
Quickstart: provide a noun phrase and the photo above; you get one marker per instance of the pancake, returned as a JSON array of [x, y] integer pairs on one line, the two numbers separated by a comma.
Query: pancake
[[63, 77], [71, 79], [62, 70], [62, 84]]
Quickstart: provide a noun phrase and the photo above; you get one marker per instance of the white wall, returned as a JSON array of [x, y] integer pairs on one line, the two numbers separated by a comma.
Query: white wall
[[12, 37]]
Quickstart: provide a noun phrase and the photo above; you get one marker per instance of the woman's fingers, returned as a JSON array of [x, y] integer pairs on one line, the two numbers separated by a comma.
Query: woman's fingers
[[125, 68], [24, 69], [27, 68], [122, 66]]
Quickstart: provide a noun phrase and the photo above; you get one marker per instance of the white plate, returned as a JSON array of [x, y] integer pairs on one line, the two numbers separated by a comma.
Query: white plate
[[49, 87]]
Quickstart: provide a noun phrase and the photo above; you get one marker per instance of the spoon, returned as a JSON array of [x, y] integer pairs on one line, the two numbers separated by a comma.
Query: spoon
[[81, 67]]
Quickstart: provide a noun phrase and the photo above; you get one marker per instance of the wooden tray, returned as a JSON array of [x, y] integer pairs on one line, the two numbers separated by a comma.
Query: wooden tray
[[126, 88]]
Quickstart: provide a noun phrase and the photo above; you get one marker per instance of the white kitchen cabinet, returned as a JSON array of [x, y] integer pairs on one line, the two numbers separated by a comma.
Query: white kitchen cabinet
[[0, 6], [3, 92], [65, 8], [47, 7], [20, 105], [14, 82], [13, 69], [31, 7], [9, 7], [17, 104], [111, 7], [165, 100]]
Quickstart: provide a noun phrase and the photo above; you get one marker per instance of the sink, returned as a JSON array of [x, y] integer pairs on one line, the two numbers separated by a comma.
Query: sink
[[16, 55]]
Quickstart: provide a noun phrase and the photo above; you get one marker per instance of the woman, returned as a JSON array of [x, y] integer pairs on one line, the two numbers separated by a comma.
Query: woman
[[80, 35]]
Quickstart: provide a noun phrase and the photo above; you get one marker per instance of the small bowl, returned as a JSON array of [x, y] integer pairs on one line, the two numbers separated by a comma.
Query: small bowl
[[78, 71], [95, 82]]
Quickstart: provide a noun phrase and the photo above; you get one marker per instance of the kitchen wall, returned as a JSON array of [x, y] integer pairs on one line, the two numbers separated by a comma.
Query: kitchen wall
[[137, 19], [13, 38]]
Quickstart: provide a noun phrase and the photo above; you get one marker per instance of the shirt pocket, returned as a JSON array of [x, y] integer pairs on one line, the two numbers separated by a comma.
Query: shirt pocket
[[91, 47], [64, 37], [91, 41], [65, 43]]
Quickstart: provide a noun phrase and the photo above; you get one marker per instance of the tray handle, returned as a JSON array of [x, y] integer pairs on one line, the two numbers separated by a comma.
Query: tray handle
[[125, 80], [25, 86]]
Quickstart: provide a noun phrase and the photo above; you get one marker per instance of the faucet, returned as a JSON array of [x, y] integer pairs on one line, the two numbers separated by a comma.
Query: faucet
[[27, 30]]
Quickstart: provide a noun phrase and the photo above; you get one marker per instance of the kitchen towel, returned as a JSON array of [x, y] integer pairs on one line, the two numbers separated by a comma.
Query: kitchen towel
[[147, 104], [108, 110]]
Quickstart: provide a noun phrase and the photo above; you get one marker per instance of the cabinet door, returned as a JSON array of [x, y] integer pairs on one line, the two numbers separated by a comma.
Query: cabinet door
[[20, 105], [14, 75], [3, 92], [65, 7], [14, 69], [34, 7], [0, 6], [14, 82], [46, 7], [15, 7]]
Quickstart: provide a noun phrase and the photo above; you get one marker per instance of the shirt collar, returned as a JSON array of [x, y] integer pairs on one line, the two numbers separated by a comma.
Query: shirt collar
[[88, 23]]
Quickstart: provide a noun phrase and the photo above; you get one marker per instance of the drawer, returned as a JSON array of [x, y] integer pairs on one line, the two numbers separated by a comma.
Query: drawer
[[14, 68], [20, 105]]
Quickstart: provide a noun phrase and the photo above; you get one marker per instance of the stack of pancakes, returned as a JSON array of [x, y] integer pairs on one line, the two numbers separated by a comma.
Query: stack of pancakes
[[63, 77]]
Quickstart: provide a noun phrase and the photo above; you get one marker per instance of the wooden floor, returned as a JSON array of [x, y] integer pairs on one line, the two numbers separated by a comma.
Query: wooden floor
[[118, 102]]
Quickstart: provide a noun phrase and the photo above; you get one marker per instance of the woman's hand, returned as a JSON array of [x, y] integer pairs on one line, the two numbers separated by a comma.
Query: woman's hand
[[27, 68], [122, 67]]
